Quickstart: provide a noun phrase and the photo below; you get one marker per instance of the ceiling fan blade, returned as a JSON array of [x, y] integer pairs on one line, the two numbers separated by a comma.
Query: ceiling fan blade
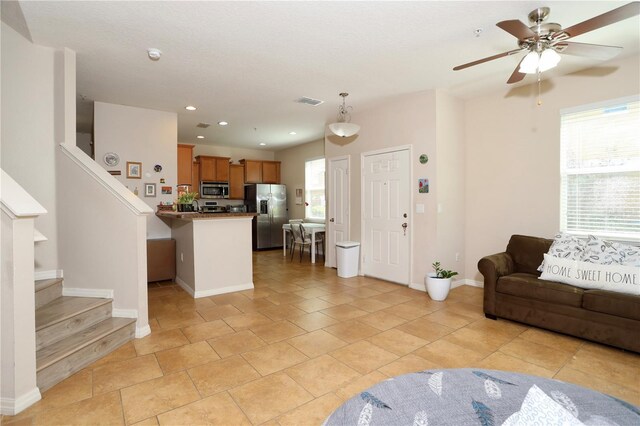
[[596, 51], [517, 28], [516, 76], [490, 58], [611, 17]]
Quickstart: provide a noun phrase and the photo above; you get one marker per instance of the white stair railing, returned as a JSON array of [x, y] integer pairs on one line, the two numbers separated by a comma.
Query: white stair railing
[[18, 388]]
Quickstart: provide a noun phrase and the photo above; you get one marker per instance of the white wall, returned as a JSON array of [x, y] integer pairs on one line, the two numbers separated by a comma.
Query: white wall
[[404, 120], [513, 155], [28, 143], [141, 135], [451, 180], [236, 154], [292, 172]]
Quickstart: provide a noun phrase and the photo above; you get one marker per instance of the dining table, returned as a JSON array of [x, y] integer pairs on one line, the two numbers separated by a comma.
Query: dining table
[[311, 228]]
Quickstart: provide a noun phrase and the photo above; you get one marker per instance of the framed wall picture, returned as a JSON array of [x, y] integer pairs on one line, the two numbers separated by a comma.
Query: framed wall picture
[[134, 170], [149, 189]]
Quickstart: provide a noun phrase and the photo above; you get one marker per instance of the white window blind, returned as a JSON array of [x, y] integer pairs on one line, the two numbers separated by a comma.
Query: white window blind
[[314, 189], [600, 171]]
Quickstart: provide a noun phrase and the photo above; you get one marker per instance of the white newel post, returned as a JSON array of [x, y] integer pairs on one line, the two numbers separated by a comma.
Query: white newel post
[[18, 388]]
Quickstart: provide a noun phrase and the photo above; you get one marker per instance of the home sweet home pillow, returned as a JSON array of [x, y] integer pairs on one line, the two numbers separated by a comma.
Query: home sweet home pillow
[[618, 278]]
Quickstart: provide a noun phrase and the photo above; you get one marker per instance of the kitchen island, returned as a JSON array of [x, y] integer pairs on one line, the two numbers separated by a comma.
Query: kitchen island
[[213, 251]]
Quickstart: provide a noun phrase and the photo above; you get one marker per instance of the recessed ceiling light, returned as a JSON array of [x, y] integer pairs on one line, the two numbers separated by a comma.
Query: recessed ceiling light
[[262, 144], [292, 133], [190, 108], [200, 137], [154, 54], [222, 123]]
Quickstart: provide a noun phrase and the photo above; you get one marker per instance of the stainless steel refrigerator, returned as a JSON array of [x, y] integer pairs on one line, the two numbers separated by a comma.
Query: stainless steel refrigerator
[[270, 202]]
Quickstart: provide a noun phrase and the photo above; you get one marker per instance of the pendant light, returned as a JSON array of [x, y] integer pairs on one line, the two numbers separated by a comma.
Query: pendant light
[[343, 127]]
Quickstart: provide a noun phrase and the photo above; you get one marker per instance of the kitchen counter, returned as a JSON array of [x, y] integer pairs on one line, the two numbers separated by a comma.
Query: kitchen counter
[[213, 251], [199, 216]]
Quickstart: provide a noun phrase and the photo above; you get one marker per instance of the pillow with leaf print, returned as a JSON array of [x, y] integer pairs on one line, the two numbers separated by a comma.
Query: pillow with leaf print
[[605, 252], [565, 246]]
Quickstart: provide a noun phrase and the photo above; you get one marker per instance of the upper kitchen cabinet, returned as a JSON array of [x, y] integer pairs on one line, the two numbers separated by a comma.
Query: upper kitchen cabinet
[[236, 182], [213, 169], [185, 163], [270, 172], [261, 171]]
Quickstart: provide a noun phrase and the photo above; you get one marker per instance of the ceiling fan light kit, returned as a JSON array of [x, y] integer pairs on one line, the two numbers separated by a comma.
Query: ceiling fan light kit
[[545, 41], [343, 126]]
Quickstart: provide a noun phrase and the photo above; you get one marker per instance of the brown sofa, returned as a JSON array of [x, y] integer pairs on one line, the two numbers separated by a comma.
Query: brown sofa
[[513, 291]]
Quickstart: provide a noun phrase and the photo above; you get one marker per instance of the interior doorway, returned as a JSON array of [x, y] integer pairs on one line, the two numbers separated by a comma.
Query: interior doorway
[[386, 209], [338, 206]]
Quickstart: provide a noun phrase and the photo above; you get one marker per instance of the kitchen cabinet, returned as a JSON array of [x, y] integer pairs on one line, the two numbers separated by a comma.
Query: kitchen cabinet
[[252, 171], [270, 172], [195, 175], [185, 164], [236, 182], [261, 171], [213, 169]]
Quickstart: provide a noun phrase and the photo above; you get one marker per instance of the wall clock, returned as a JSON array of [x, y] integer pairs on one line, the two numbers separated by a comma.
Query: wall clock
[[111, 159]]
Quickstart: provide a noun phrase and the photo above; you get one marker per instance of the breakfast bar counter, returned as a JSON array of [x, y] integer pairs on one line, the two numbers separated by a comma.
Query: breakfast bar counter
[[213, 251]]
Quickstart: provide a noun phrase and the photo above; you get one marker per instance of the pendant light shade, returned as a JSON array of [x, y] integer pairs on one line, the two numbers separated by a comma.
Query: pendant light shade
[[343, 126], [548, 59], [344, 130]]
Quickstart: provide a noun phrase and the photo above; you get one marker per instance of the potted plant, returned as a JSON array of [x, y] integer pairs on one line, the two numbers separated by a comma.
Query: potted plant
[[185, 201], [439, 282]]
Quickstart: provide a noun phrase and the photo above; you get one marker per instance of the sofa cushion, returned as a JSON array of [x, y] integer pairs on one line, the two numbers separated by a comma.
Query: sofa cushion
[[527, 252], [529, 286], [608, 302]]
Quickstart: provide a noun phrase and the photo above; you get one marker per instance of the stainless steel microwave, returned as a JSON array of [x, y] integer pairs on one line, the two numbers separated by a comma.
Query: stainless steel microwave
[[214, 190]]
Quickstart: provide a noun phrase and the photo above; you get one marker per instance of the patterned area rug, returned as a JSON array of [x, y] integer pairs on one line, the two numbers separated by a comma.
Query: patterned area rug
[[481, 397]]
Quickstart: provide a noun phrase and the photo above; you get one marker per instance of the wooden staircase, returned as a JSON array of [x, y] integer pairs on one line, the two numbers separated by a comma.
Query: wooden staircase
[[73, 332]]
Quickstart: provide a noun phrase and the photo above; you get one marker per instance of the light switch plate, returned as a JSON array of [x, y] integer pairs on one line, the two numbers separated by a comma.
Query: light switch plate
[[419, 208]]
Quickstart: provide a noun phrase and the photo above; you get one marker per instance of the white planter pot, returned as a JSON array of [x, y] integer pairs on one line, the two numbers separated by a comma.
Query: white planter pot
[[438, 288]]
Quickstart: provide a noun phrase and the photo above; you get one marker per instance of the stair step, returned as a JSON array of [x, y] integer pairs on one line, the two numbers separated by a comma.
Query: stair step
[[47, 290], [64, 308], [71, 354], [68, 315]]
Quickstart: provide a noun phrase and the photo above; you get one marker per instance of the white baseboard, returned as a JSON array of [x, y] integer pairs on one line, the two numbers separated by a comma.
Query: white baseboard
[[454, 284], [419, 287], [11, 406], [124, 313], [223, 290], [142, 331], [472, 283], [48, 275], [104, 293], [184, 285]]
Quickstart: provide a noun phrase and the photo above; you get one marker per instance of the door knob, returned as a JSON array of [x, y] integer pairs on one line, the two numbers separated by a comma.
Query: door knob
[[404, 228], [331, 220]]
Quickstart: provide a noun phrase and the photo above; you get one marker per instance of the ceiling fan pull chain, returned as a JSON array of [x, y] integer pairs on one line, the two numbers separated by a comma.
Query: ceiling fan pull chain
[[539, 88]]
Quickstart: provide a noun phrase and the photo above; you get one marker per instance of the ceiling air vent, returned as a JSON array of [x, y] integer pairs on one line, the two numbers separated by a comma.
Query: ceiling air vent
[[309, 101], [203, 125]]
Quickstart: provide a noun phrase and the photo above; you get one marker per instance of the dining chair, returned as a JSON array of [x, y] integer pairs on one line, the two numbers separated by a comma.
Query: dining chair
[[299, 240], [319, 239], [290, 234]]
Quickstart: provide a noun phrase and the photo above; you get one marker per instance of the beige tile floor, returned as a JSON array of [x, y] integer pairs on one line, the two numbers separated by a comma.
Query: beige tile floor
[[301, 343]]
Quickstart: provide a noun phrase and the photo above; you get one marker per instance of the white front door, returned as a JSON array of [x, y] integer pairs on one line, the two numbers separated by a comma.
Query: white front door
[[338, 213], [385, 215]]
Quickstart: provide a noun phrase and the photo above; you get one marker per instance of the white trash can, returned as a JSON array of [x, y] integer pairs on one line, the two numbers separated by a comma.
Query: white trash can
[[348, 254]]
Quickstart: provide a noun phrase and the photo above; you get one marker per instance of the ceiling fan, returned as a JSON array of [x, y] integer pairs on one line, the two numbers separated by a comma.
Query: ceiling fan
[[545, 41]]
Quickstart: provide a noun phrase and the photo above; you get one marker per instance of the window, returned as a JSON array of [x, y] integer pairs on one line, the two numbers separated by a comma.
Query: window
[[600, 170], [314, 189]]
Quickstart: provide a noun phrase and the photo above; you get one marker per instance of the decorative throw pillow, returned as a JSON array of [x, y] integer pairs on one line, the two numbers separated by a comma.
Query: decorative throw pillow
[[606, 252], [565, 246], [540, 409], [618, 278]]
